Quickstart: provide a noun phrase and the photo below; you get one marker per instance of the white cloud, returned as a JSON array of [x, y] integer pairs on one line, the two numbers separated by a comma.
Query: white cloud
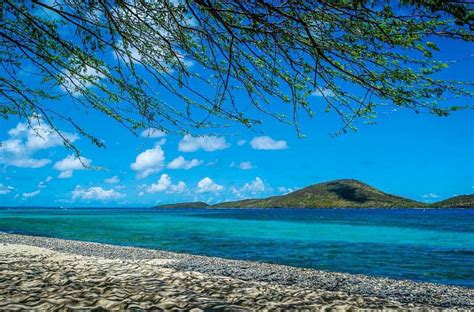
[[267, 143], [95, 193], [112, 180], [65, 174], [241, 142], [323, 92], [5, 189], [161, 185], [31, 194], [246, 165], [164, 184], [44, 184], [430, 195], [138, 58], [181, 163], [141, 194], [28, 138], [286, 190], [255, 187], [207, 185], [78, 81], [71, 163], [212, 163], [178, 188], [206, 143], [149, 162], [153, 133], [26, 162]]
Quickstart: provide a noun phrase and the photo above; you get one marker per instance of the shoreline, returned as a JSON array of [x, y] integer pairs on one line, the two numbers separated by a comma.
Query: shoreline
[[271, 280], [238, 208]]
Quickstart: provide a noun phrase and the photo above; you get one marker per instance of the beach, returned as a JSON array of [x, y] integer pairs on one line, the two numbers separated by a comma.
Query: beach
[[39, 273]]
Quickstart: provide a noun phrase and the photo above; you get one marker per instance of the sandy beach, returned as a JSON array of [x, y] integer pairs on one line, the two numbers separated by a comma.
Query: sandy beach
[[38, 273]]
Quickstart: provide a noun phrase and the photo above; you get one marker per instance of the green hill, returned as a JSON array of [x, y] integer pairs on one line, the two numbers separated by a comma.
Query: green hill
[[185, 205], [345, 193], [461, 201], [334, 194]]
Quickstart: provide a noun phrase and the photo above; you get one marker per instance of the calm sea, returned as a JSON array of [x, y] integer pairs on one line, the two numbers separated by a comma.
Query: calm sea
[[422, 245]]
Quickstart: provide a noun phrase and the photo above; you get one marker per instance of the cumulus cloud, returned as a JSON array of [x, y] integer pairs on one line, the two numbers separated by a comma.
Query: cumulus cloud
[[149, 162], [256, 186], [206, 185], [137, 57], [28, 138], [5, 189], [44, 184], [267, 143], [152, 133], [430, 195], [65, 174], [81, 79], [68, 165], [253, 188], [246, 165], [181, 163], [31, 194], [323, 92], [241, 142], [95, 193], [212, 163], [286, 190], [161, 185], [164, 184], [112, 180], [27, 162], [206, 143], [178, 188]]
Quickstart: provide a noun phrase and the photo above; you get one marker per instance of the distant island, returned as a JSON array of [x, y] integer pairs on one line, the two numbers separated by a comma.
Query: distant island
[[461, 201], [346, 193]]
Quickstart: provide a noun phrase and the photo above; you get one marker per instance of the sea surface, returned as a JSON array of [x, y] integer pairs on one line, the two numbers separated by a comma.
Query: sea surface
[[421, 245]]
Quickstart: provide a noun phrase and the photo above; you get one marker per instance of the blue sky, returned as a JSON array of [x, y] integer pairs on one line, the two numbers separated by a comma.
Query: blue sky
[[419, 156]]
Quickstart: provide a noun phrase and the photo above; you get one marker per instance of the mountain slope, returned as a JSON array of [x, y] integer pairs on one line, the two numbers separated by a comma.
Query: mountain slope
[[185, 205], [334, 194], [345, 193], [461, 201]]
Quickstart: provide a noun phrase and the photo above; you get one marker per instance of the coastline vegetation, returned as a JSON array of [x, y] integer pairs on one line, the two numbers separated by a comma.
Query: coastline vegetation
[[346, 193]]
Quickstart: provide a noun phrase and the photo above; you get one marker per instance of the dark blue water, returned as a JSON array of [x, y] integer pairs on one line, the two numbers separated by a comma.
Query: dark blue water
[[422, 245]]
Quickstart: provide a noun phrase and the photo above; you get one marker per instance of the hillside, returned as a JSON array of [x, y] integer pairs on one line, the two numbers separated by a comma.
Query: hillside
[[185, 205], [345, 193], [461, 201], [334, 194]]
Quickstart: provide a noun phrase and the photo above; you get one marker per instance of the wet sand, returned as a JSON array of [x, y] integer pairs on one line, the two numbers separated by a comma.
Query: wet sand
[[38, 273]]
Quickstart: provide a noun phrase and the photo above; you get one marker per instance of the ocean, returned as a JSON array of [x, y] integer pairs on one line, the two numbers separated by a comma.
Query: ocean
[[421, 245]]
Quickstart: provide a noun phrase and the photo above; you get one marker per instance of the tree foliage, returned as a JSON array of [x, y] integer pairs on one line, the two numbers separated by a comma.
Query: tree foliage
[[124, 57]]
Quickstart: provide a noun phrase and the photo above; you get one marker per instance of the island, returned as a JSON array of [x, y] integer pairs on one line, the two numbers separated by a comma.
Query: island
[[344, 193]]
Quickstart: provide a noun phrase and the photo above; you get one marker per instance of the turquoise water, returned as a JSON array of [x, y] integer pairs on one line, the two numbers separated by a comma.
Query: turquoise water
[[423, 245]]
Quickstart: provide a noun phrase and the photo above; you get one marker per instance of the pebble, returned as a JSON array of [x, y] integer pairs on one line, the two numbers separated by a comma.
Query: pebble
[[99, 277]]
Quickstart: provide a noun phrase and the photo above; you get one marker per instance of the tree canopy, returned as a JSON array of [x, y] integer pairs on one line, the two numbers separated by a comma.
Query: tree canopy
[[124, 57]]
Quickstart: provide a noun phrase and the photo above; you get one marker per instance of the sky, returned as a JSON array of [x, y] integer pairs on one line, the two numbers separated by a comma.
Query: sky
[[419, 156]]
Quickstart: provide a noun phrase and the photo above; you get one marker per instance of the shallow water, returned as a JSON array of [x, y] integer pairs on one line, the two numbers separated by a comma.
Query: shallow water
[[422, 245]]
